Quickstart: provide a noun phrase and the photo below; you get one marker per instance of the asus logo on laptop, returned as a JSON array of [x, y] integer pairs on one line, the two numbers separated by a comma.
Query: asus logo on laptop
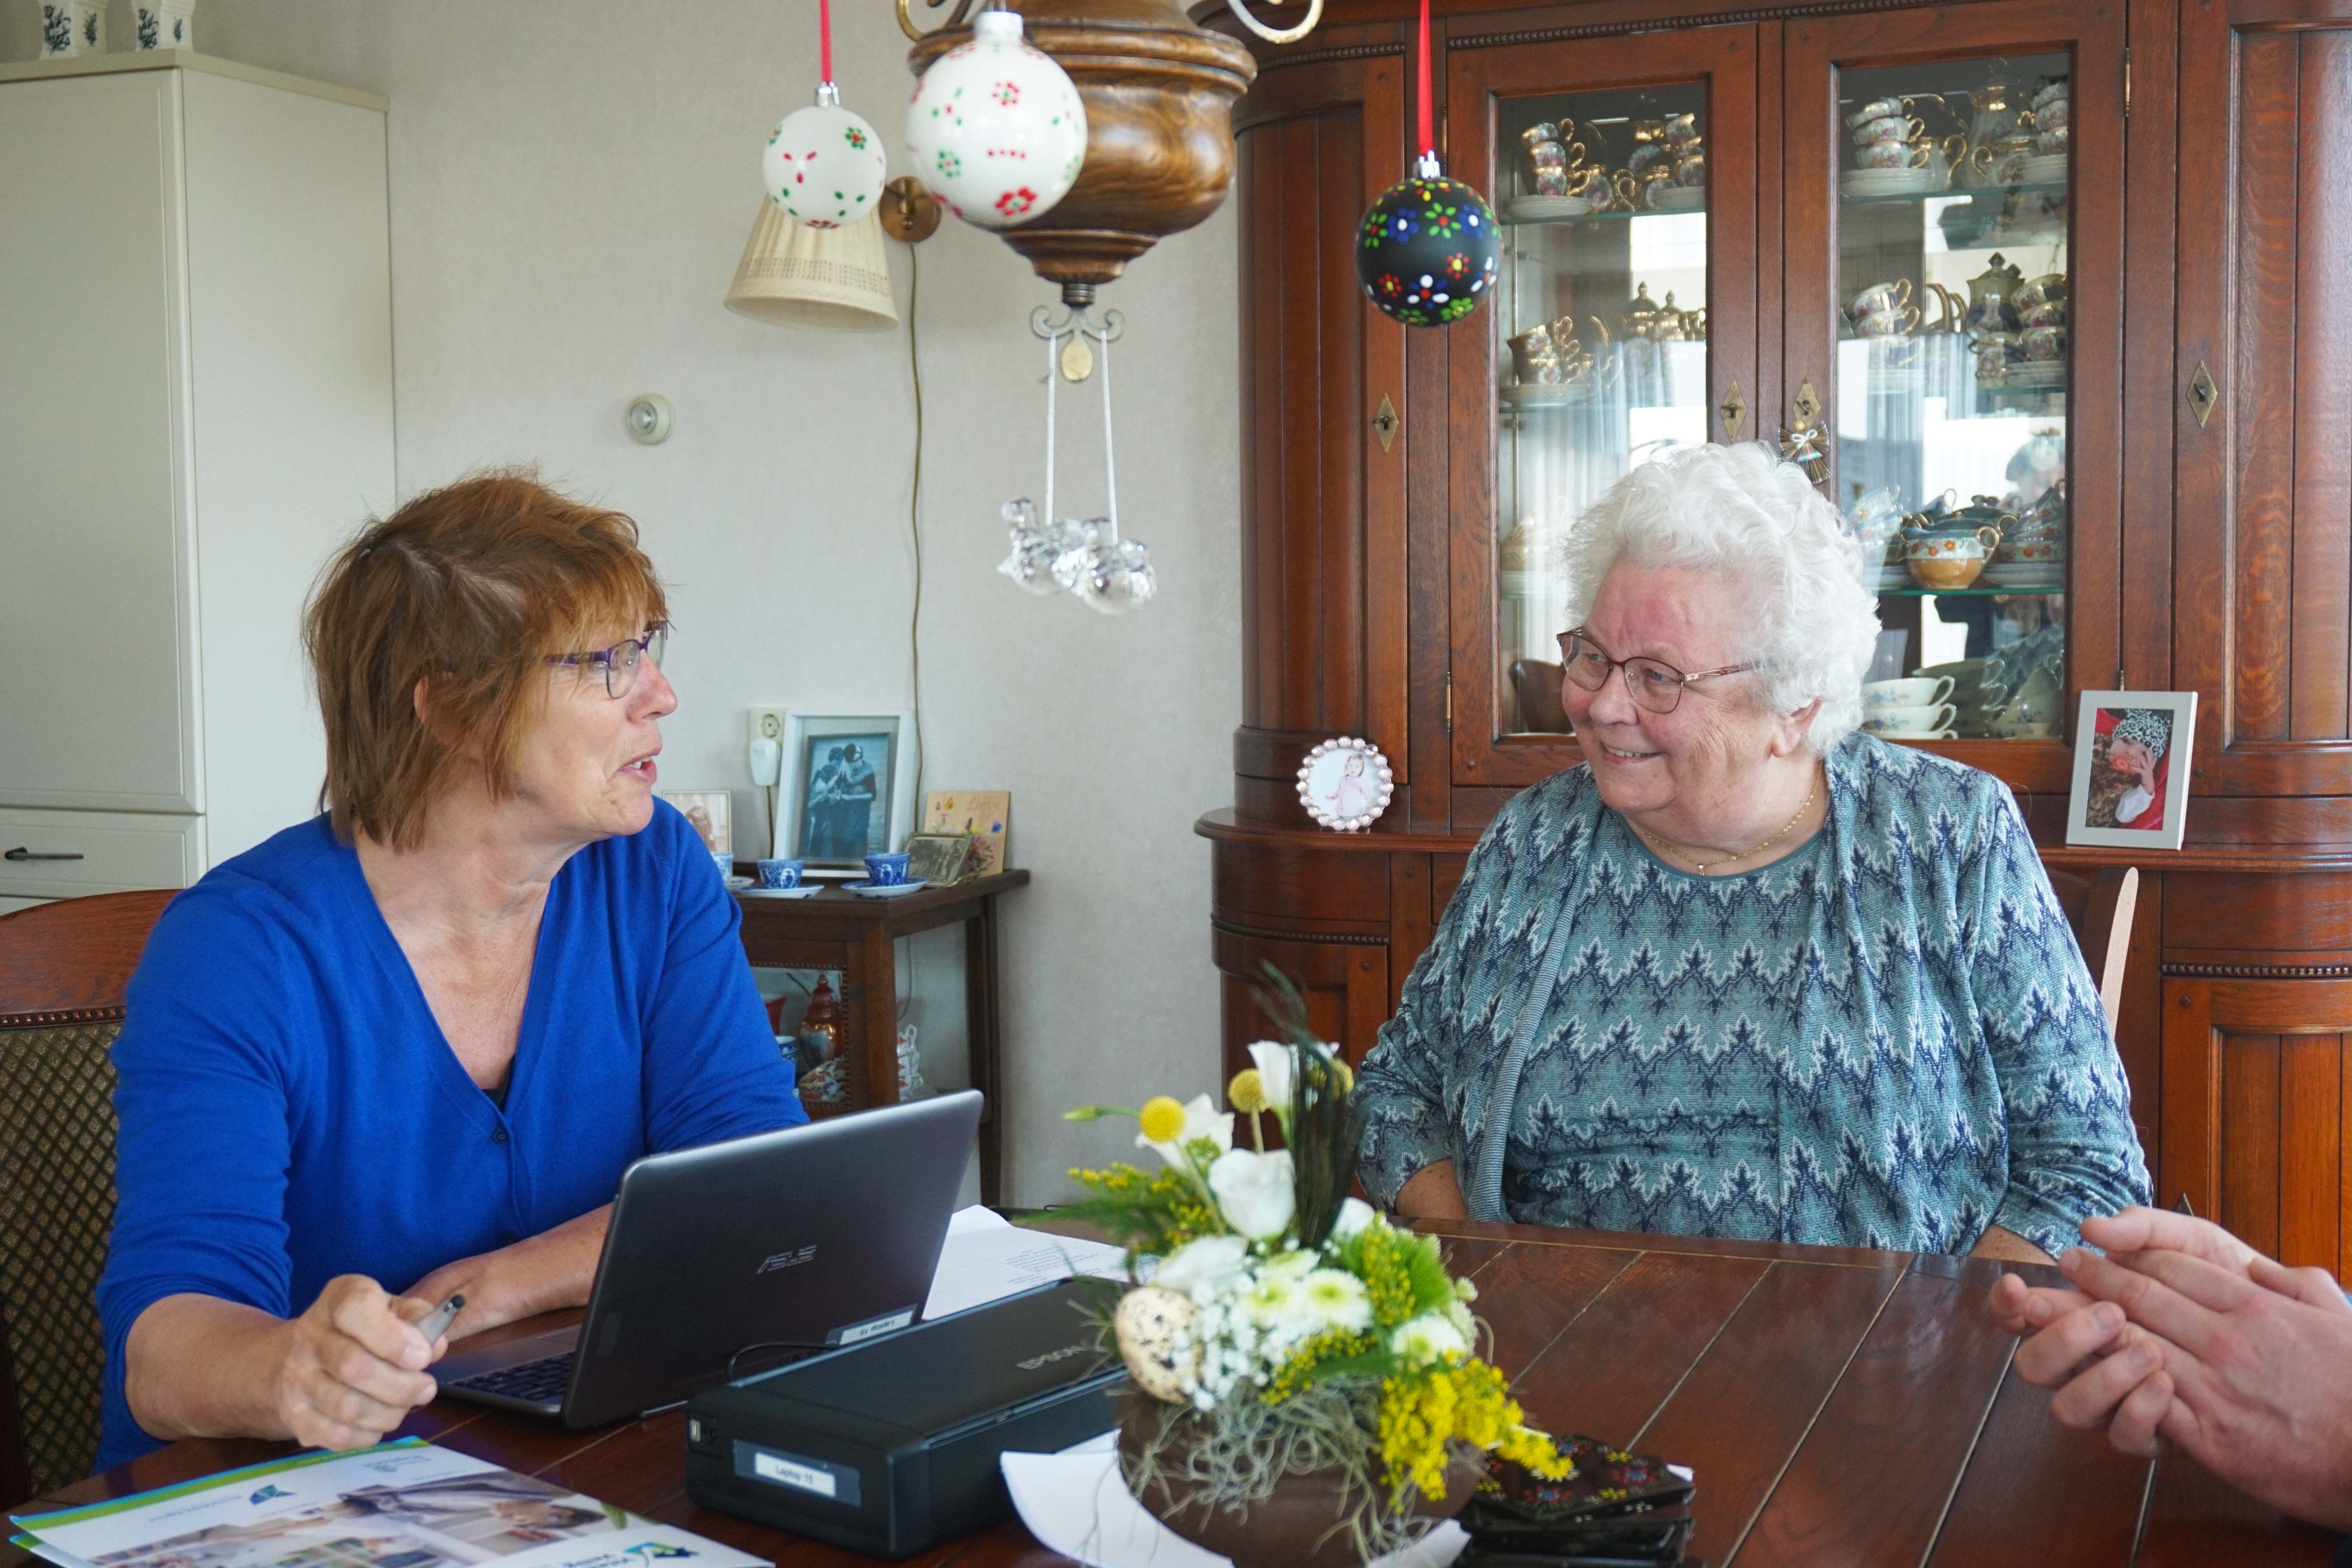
[[1035, 1362], [792, 1259]]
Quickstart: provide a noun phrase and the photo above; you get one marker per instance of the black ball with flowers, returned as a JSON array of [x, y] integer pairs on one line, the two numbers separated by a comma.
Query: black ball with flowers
[[1427, 250]]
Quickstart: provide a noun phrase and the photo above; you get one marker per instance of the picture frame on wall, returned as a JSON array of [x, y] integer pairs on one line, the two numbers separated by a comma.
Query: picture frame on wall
[[2132, 754], [847, 788]]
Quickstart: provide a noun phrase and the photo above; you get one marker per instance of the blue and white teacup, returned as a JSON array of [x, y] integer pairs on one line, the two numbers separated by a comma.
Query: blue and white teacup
[[887, 870], [778, 874], [724, 861]]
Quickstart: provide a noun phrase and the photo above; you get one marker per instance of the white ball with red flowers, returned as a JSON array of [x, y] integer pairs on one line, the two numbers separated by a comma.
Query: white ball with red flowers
[[825, 165], [997, 128]]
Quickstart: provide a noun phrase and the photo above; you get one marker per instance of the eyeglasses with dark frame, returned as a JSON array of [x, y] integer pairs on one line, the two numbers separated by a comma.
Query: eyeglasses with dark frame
[[1654, 683], [621, 662]]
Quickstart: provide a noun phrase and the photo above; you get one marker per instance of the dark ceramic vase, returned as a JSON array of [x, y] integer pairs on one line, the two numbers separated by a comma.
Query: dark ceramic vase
[[1290, 1529]]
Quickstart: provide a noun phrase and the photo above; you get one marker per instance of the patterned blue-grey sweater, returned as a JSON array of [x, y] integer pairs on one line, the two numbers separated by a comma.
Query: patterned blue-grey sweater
[[1886, 1039]]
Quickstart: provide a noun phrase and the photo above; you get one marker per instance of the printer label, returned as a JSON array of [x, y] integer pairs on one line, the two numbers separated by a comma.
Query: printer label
[[872, 1327], [797, 1471]]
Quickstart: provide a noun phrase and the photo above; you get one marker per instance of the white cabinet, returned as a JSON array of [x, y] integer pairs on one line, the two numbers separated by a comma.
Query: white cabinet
[[195, 407]]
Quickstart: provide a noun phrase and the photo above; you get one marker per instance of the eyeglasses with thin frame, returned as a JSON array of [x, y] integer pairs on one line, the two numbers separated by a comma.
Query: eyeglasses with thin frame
[[623, 660], [1654, 683]]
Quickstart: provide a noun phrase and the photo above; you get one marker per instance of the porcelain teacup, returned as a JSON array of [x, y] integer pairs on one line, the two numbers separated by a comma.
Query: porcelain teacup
[[1921, 719], [887, 870], [2042, 342], [1896, 154], [778, 874], [1880, 300], [1911, 691], [1876, 109]]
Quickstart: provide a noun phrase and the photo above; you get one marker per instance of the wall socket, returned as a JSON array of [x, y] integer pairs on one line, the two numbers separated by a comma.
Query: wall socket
[[767, 724]]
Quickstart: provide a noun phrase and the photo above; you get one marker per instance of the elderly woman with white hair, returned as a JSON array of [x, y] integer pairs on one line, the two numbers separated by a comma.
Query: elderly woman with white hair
[[1744, 971]]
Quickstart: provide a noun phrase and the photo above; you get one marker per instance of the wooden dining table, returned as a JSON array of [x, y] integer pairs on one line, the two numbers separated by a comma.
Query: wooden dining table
[[1839, 1406]]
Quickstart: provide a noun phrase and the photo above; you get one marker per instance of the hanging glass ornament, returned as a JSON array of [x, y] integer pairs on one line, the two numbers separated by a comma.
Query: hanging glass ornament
[[996, 127], [1086, 559], [1428, 250], [824, 164]]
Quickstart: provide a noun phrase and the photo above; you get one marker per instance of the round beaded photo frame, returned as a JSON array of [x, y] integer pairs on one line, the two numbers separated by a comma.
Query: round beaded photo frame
[[1345, 784]]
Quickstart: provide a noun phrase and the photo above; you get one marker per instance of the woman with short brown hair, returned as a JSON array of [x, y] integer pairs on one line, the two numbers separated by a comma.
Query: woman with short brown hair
[[410, 1044]]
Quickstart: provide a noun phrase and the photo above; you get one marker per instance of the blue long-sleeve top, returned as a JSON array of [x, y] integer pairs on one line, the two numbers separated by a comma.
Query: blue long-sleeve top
[[290, 1110], [1886, 1040]]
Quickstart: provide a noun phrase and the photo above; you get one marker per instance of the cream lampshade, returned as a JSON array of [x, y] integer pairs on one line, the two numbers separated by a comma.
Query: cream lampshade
[[814, 276]]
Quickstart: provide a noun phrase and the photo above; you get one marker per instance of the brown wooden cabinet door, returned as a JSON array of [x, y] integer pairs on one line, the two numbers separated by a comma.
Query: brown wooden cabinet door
[[2263, 616], [2253, 1101], [1629, 383], [1915, 414], [1324, 636]]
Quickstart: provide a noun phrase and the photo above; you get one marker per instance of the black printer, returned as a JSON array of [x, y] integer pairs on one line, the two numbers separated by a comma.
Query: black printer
[[891, 1446]]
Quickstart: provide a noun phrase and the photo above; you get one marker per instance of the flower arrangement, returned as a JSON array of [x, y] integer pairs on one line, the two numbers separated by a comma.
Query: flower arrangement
[[1288, 1329]]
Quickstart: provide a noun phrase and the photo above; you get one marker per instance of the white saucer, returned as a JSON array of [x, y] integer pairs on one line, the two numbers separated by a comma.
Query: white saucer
[[1539, 209], [739, 883], [1886, 182], [1550, 394], [864, 889], [2043, 169], [805, 890], [2037, 374], [1679, 199]]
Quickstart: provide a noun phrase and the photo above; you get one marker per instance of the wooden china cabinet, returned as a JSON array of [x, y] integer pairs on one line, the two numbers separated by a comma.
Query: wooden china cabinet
[[1400, 486]]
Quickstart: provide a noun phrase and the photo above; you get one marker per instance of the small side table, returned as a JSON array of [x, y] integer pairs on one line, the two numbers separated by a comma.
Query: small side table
[[857, 937]]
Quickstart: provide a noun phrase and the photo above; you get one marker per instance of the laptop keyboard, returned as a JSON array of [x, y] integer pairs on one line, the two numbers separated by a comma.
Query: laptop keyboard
[[541, 1382]]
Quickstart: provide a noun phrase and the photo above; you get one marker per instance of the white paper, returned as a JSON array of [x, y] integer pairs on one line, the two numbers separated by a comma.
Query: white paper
[[984, 1262], [410, 1501], [1075, 1503]]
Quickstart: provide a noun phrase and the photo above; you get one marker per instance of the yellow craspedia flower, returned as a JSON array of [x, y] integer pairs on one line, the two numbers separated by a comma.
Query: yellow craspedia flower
[[1247, 1092], [1161, 1119], [1343, 1077]]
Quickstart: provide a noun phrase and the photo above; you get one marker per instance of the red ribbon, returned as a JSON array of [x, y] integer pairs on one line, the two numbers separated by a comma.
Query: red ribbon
[[825, 38], [1428, 137]]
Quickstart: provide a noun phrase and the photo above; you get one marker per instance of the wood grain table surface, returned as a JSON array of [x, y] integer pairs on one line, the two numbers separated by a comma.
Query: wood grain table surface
[[1839, 1406]]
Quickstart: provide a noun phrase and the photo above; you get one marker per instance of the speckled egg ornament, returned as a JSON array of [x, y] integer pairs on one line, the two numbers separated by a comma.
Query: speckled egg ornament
[[997, 128], [824, 164], [1426, 253]]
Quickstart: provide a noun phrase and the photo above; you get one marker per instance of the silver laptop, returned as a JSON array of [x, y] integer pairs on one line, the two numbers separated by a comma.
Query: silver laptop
[[734, 1258]]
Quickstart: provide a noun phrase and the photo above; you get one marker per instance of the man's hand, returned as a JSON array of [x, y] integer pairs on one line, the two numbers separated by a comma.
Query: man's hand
[[2259, 1377], [352, 1367]]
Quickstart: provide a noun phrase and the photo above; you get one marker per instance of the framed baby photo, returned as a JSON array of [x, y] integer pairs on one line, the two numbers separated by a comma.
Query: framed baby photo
[[2132, 751], [847, 788], [708, 810]]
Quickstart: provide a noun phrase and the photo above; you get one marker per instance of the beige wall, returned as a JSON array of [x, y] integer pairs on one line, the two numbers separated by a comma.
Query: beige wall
[[572, 182]]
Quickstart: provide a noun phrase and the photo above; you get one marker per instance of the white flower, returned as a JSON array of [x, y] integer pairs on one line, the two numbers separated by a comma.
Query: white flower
[[1338, 1299], [1274, 1070], [1273, 1300], [1355, 1214], [1429, 1338], [1296, 1264], [1201, 1120], [1203, 1268], [1253, 1192]]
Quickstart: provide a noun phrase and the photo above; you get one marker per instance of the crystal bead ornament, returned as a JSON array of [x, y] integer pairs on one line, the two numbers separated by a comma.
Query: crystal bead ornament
[[996, 127], [824, 164]]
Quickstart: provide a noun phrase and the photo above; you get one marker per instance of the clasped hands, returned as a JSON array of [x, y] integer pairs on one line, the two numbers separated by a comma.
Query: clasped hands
[[2184, 1334]]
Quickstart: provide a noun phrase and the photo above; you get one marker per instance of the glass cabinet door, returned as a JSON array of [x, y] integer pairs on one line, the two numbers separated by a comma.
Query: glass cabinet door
[[1960, 349], [1623, 315]]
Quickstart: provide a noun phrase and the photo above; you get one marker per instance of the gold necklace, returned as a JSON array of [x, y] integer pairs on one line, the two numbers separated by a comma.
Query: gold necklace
[[1701, 866]]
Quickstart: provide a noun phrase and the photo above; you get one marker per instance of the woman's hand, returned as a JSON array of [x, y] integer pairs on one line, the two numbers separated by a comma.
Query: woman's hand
[[1432, 1194], [543, 1273], [353, 1365], [341, 1375]]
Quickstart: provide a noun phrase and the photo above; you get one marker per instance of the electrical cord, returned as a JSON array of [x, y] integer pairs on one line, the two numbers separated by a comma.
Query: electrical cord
[[915, 517]]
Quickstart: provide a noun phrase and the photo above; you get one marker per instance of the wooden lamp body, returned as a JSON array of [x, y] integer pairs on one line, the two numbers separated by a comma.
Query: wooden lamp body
[[1159, 93]]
